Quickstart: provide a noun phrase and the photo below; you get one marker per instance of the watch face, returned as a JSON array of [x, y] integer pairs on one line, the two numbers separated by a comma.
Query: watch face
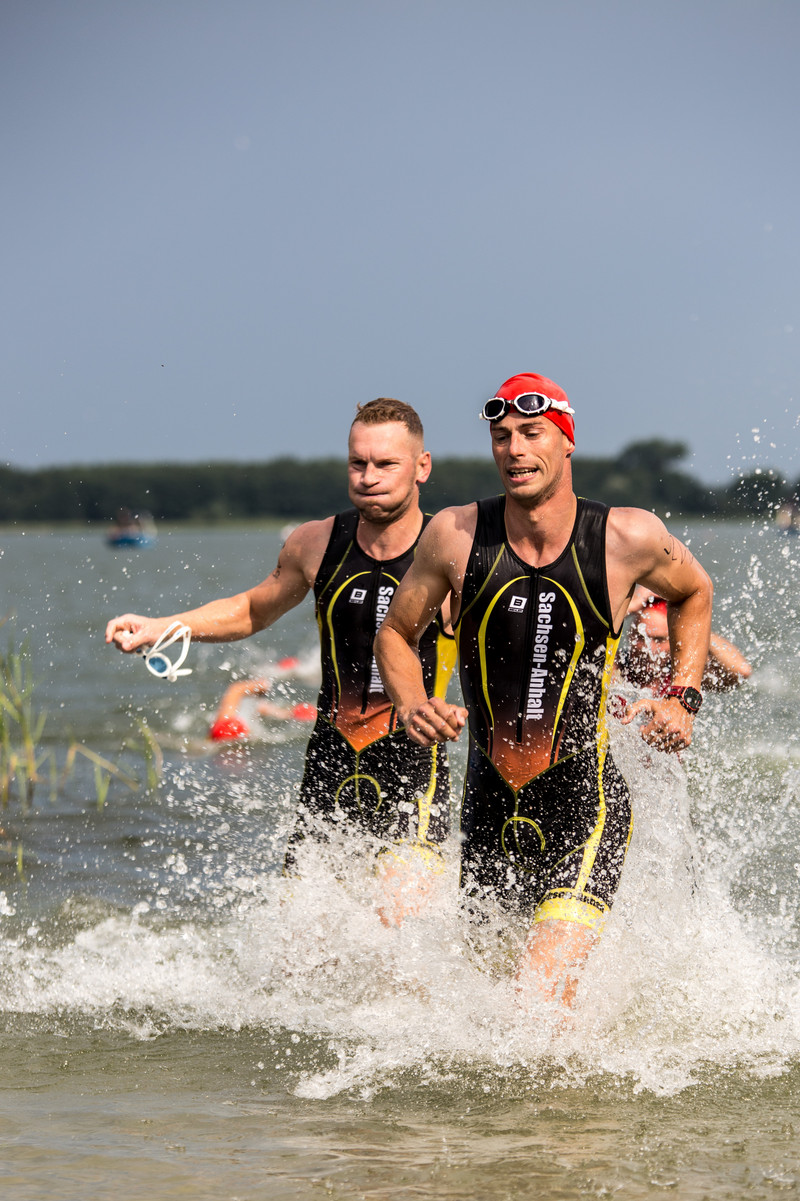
[[689, 697]]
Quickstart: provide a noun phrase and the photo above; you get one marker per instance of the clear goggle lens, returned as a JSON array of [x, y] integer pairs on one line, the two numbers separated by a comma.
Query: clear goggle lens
[[158, 663]]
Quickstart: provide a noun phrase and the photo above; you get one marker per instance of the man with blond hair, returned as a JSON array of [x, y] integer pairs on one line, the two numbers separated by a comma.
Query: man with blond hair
[[360, 766]]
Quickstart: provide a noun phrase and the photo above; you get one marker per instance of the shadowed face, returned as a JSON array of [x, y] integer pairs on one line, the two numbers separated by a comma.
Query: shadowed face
[[648, 658], [650, 628], [384, 466]]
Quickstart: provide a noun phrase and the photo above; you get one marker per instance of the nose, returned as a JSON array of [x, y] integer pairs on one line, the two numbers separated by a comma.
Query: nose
[[516, 443], [370, 474]]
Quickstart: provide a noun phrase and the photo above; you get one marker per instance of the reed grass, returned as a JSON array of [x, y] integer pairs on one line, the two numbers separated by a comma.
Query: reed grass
[[25, 765]]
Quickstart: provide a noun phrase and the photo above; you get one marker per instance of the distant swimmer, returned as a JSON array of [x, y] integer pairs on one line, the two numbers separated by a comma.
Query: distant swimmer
[[539, 583], [787, 516], [229, 723], [131, 529], [644, 658], [361, 769]]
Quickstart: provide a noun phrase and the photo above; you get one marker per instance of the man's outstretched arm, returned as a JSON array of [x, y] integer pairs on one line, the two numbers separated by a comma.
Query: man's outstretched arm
[[231, 618]]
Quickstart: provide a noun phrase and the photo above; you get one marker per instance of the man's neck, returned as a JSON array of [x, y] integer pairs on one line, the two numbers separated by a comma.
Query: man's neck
[[389, 540], [538, 534]]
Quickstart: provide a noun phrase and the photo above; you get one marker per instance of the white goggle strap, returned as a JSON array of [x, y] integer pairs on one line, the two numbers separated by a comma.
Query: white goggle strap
[[161, 665]]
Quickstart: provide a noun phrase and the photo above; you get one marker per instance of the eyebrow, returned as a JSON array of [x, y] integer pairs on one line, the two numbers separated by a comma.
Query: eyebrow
[[377, 459], [536, 423]]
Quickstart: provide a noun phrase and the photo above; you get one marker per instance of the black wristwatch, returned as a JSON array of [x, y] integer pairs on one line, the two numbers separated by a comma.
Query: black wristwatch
[[689, 697]]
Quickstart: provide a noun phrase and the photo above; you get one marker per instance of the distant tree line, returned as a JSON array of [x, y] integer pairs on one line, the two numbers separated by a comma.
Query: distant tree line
[[645, 474]]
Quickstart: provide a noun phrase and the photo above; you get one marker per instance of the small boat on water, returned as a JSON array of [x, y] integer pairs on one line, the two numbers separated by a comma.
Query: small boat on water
[[130, 529], [130, 539]]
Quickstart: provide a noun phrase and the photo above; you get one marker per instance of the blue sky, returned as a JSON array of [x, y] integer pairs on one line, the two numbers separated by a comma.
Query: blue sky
[[227, 223]]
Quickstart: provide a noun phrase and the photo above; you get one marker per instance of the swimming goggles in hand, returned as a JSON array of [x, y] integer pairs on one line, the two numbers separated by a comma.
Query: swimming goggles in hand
[[160, 664]]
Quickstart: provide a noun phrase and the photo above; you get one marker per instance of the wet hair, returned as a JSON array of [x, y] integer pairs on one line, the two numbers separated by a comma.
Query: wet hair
[[386, 408]]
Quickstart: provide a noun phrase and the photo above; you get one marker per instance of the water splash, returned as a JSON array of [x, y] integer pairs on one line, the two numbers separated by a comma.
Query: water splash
[[687, 978]]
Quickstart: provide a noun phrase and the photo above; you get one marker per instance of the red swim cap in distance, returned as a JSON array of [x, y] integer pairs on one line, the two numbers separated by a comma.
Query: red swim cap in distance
[[228, 728], [303, 711]]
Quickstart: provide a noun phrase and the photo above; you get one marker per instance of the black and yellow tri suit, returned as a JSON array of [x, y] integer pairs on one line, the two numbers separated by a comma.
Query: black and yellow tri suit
[[360, 766], [546, 815]]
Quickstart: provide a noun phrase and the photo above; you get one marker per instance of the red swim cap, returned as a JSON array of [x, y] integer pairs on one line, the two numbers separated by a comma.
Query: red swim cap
[[289, 663], [529, 381], [228, 728], [303, 711]]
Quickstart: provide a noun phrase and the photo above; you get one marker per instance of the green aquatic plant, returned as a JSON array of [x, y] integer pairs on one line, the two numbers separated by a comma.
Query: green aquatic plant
[[25, 764], [20, 728], [151, 752], [104, 769]]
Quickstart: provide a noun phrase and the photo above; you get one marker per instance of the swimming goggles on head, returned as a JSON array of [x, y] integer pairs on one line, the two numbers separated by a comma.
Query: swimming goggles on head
[[158, 663], [530, 404]]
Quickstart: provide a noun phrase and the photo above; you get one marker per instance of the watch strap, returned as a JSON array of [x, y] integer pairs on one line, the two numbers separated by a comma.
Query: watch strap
[[689, 697]]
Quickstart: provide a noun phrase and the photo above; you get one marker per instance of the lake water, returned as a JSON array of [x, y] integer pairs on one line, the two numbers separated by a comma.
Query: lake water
[[176, 1020]]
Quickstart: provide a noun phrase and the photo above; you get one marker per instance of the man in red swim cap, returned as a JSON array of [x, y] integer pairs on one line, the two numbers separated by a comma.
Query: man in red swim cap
[[529, 384], [644, 658], [539, 582], [361, 768]]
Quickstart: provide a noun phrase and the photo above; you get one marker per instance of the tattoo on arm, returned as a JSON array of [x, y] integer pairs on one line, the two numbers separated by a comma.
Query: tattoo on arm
[[677, 552]]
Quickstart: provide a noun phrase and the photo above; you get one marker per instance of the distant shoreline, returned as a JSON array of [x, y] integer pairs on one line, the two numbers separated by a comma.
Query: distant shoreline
[[273, 525], [645, 475]]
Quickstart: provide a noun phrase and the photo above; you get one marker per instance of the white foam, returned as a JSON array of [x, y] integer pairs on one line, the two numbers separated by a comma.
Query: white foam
[[681, 980]]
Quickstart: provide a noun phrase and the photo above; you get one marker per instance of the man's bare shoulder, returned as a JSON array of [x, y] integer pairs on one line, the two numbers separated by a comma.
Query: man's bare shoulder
[[311, 534], [446, 543], [451, 530], [631, 530], [456, 519], [305, 546], [641, 550]]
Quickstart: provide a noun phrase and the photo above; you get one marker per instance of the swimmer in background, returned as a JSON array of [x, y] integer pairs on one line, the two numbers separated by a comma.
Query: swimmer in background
[[645, 662], [131, 529], [230, 726]]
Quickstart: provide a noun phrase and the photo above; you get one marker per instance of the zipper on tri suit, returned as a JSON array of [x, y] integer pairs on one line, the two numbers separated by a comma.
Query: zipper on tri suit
[[374, 580], [527, 652]]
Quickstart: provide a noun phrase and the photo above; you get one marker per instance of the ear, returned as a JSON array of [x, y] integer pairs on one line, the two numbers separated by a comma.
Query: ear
[[423, 466], [570, 447]]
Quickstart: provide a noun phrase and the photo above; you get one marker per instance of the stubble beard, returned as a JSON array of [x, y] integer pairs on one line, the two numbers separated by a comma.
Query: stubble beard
[[548, 491], [377, 515]]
